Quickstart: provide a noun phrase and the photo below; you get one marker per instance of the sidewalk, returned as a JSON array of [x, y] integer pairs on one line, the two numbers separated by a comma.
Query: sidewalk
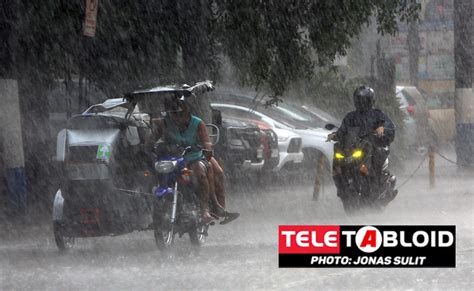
[[443, 168]]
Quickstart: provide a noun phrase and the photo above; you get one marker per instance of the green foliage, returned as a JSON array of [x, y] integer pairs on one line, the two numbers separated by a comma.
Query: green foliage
[[274, 42], [271, 43]]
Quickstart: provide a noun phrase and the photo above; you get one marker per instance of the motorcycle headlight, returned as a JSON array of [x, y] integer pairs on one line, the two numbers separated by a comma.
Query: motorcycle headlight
[[339, 156], [165, 167], [357, 154]]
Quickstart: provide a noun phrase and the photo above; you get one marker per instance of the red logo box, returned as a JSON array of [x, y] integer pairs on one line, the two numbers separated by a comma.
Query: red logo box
[[308, 239]]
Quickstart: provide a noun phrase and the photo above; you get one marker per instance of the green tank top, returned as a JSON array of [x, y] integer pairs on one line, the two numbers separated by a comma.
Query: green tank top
[[188, 137]]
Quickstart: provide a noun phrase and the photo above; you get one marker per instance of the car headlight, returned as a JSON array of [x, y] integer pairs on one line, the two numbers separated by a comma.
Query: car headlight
[[165, 167], [339, 156], [283, 138], [357, 154]]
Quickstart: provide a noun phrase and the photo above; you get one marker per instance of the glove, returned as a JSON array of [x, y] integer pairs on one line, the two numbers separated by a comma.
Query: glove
[[331, 136]]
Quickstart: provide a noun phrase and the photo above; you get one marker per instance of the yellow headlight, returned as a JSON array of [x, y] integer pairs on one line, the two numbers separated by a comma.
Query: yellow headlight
[[339, 156], [357, 154]]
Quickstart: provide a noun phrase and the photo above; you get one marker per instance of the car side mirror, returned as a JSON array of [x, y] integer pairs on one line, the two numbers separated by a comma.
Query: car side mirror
[[330, 126], [214, 133]]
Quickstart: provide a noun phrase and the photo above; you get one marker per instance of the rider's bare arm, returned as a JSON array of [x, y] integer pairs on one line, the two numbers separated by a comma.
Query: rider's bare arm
[[204, 137], [157, 129]]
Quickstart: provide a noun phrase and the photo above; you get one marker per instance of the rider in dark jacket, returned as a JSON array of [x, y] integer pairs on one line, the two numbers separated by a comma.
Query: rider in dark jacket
[[368, 120]]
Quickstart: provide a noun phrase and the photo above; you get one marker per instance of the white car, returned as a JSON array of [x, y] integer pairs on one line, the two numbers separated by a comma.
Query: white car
[[288, 118], [311, 130], [417, 130], [289, 142]]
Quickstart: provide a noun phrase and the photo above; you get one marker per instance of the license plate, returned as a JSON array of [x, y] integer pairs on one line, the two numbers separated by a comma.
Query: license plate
[[298, 160], [275, 153], [259, 154], [89, 215]]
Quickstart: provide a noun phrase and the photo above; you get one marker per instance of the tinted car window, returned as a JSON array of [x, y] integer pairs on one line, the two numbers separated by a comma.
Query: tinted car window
[[408, 98]]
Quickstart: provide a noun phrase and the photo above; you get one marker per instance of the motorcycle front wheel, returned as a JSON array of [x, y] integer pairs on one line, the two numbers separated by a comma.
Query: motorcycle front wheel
[[350, 204], [162, 226]]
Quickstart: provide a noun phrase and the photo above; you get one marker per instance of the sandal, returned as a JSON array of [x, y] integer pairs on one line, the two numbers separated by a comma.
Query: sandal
[[230, 216]]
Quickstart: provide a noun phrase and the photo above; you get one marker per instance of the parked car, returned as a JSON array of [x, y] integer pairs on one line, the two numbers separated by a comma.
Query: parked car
[[320, 116], [289, 143], [241, 147], [271, 151], [290, 118], [418, 133]]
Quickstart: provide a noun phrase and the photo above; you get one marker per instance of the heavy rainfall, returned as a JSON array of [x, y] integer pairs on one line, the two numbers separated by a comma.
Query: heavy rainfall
[[161, 144]]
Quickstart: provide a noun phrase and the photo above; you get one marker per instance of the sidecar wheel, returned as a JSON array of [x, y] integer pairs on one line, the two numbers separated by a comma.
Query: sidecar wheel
[[63, 242]]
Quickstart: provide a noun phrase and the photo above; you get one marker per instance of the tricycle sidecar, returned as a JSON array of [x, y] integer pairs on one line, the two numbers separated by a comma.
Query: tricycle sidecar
[[102, 154]]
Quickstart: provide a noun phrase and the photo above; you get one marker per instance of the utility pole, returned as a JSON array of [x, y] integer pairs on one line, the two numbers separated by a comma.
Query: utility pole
[[464, 98], [10, 116]]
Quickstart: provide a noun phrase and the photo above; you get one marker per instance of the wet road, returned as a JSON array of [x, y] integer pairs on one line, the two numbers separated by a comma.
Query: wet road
[[243, 254]]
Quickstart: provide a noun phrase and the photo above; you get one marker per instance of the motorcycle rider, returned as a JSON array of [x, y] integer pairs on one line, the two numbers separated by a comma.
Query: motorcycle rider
[[180, 127], [374, 121], [202, 107]]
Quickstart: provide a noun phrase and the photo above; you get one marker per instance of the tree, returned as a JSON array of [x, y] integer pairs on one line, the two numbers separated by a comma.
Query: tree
[[273, 42]]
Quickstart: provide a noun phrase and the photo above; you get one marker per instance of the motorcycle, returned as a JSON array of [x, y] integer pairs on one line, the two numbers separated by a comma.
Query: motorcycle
[[361, 179], [176, 208], [107, 182]]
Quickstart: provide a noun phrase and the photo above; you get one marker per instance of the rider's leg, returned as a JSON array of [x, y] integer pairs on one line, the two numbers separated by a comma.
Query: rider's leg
[[218, 210], [218, 181], [202, 189], [218, 173]]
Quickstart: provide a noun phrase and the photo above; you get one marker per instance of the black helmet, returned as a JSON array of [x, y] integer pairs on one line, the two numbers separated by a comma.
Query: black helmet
[[364, 98]]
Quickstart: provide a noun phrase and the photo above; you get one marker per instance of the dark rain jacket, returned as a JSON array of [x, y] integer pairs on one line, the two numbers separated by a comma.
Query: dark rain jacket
[[367, 122]]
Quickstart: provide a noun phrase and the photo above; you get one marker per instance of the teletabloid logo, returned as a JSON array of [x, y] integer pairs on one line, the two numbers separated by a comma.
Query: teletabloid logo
[[401, 246]]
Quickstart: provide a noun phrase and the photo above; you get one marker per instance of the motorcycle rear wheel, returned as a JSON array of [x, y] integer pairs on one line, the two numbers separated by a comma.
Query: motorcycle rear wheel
[[163, 238], [63, 242], [197, 236]]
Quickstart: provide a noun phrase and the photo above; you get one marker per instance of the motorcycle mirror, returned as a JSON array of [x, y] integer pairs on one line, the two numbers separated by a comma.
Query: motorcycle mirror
[[330, 126], [187, 150], [214, 133]]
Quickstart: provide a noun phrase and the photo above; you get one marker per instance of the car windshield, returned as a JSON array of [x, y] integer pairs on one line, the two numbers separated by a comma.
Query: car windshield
[[321, 117], [245, 113], [291, 115]]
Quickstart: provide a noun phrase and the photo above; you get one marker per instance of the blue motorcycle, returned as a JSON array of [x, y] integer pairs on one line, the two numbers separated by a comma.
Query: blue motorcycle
[[176, 207]]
